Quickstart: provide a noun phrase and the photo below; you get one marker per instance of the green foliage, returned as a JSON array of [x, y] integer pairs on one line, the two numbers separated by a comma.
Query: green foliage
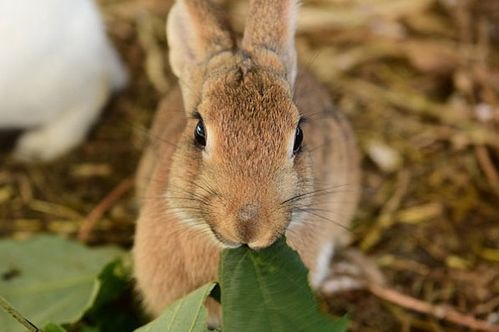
[[114, 279], [49, 279], [186, 314], [264, 290], [53, 328], [268, 290], [114, 308]]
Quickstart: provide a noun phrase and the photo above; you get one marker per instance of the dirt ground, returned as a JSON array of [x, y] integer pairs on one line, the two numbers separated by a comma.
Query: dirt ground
[[419, 81]]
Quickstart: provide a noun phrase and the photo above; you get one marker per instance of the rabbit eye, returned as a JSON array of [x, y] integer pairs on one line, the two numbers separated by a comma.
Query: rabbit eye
[[298, 140], [200, 134]]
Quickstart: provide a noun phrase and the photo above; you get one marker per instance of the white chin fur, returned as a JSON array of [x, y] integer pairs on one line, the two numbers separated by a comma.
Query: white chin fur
[[322, 265], [229, 246]]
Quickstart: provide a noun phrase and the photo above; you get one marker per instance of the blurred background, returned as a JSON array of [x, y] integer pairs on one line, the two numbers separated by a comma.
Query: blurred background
[[418, 79]]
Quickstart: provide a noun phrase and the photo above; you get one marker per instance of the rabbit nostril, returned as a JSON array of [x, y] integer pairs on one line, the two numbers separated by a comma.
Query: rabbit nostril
[[248, 212]]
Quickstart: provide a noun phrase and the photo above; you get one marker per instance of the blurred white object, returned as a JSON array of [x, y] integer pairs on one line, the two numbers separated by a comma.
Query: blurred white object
[[57, 70], [384, 156]]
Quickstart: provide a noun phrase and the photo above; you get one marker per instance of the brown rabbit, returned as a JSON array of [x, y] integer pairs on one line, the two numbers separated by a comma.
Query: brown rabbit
[[247, 151]]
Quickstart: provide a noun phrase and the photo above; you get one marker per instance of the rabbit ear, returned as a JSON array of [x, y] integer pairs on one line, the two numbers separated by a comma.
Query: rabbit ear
[[270, 28], [196, 31]]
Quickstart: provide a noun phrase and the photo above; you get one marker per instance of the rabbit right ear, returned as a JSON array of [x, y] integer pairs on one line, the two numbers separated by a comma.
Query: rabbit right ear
[[270, 29], [196, 30]]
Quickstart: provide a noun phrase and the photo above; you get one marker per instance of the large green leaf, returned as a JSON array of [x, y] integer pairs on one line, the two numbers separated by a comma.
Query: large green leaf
[[187, 314], [53, 328], [49, 279], [268, 290]]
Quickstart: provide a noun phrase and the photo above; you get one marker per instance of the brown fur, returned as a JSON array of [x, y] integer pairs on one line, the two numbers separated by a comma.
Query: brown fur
[[240, 188]]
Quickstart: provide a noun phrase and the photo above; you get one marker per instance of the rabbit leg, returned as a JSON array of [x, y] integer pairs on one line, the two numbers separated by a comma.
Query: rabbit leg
[[351, 270], [53, 139], [214, 308]]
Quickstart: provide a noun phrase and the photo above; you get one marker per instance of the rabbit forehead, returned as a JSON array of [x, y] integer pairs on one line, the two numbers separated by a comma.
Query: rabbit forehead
[[253, 109]]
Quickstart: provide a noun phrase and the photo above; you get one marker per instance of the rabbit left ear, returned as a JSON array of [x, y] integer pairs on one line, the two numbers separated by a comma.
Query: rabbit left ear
[[196, 30], [271, 27]]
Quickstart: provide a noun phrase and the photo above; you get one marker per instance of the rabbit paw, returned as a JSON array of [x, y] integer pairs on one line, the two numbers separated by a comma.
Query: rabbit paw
[[52, 140], [351, 270], [214, 319], [44, 144]]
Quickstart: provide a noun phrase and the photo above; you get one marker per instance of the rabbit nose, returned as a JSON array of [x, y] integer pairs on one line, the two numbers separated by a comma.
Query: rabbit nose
[[248, 212]]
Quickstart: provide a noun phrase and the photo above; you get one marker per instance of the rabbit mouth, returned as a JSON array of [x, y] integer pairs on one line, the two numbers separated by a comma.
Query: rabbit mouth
[[226, 243], [254, 245], [256, 238], [259, 245]]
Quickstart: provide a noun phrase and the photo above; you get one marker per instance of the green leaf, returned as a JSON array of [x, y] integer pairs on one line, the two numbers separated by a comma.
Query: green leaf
[[53, 328], [187, 314], [116, 307], [14, 313], [49, 279], [114, 278], [268, 290]]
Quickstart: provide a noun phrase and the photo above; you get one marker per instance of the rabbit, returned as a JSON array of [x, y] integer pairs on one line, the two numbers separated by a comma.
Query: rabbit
[[248, 148], [57, 70]]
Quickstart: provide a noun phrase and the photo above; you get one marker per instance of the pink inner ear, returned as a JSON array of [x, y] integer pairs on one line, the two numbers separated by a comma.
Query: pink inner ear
[[196, 31]]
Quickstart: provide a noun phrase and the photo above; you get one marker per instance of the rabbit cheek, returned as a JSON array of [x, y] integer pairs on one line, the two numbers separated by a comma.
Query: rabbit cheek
[[302, 197]]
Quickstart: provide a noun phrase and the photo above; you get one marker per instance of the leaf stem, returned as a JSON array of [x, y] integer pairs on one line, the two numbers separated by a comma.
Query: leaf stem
[[17, 315]]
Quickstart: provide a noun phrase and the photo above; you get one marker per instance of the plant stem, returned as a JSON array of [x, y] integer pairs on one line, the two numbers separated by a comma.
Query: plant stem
[[17, 315]]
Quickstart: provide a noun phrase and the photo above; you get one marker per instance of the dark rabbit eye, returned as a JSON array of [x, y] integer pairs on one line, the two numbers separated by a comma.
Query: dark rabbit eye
[[298, 140], [200, 134]]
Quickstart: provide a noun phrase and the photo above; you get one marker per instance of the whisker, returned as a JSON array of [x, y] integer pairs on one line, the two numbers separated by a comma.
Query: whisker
[[323, 218], [313, 193], [151, 139]]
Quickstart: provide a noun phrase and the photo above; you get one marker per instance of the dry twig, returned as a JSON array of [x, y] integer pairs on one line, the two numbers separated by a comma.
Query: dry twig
[[93, 217], [439, 311]]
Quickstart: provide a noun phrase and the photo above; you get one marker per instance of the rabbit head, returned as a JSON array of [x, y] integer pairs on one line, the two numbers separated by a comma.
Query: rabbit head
[[239, 164]]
